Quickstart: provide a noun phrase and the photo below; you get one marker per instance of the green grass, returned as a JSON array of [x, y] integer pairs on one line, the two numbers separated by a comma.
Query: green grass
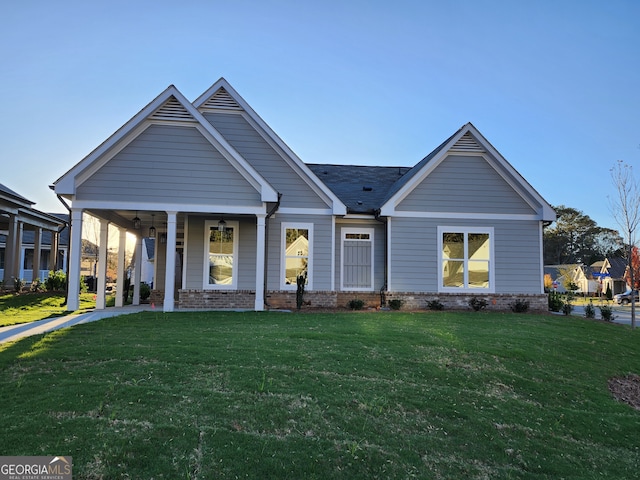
[[436, 395], [28, 307]]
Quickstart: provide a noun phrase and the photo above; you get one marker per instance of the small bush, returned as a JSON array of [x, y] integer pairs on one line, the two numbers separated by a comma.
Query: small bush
[[435, 305], [56, 281], [606, 313], [36, 286], [356, 304], [145, 291], [555, 302], [395, 304], [567, 308], [589, 310], [18, 284], [520, 306], [478, 303]]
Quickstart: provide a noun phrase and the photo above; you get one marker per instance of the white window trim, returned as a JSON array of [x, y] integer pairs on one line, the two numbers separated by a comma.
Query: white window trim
[[492, 259], [283, 254], [343, 233], [205, 273]]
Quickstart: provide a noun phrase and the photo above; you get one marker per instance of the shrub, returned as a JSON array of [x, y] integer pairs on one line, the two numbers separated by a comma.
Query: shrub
[[18, 284], [56, 281], [435, 305], [606, 313], [478, 303], [356, 304], [589, 310], [300, 282], [567, 308], [83, 285], [555, 302], [609, 293], [520, 306], [145, 291], [36, 286], [395, 304]]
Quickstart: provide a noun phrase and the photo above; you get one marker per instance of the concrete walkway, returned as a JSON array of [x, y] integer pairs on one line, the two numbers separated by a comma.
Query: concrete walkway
[[16, 332]]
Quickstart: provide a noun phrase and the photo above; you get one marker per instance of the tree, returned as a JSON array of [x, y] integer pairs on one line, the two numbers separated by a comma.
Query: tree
[[625, 208], [571, 239]]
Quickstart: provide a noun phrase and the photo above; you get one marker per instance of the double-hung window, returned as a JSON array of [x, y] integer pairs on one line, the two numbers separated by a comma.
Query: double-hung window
[[466, 259], [297, 254], [221, 255]]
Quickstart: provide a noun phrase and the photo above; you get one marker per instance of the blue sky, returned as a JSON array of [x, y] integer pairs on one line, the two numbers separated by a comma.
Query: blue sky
[[553, 85]]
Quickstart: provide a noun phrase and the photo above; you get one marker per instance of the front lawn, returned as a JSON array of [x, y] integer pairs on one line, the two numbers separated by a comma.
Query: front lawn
[[447, 395], [28, 307]]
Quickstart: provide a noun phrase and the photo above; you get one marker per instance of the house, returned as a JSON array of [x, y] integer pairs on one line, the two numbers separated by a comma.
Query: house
[[580, 275], [24, 231], [241, 215], [612, 272]]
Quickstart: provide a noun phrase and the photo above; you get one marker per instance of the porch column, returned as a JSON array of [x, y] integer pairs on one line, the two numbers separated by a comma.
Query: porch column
[[53, 255], [37, 238], [137, 271], [102, 265], [122, 247], [75, 254], [9, 251], [18, 266], [260, 245], [170, 262]]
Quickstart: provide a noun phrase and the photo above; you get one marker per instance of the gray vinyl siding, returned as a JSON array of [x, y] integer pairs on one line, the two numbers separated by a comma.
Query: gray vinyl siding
[[465, 184], [245, 259], [244, 138], [322, 242], [414, 255], [378, 253], [170, 164]]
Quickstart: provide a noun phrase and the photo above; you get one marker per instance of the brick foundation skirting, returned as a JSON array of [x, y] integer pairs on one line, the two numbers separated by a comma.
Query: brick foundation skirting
[[245, 299]]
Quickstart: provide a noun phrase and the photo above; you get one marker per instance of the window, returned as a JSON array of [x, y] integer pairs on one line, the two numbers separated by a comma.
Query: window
[[466, 259], [297, 242], [221, 247], [357, 259]]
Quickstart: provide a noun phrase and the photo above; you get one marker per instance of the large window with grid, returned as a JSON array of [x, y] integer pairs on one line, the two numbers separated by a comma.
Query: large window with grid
[[466, 259]]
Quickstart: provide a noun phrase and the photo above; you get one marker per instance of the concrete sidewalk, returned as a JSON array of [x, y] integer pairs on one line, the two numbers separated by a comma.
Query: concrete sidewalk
[[16, 332]]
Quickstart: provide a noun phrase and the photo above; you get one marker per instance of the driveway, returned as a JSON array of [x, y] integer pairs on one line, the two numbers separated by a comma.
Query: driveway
[[16, 332]]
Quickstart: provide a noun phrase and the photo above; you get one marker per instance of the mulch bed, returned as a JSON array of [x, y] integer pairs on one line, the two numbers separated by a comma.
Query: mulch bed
[[626, 389]]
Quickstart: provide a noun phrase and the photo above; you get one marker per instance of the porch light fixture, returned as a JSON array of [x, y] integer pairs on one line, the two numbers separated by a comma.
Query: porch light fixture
[[152, 229], [137, 223], [222, 225], [163, 235]]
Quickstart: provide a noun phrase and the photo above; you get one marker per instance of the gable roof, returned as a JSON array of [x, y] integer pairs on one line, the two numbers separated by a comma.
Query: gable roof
[[467, 139], [170, 105], [222, 96]]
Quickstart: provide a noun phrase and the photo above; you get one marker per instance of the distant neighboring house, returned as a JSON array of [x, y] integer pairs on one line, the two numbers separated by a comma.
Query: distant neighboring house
[[240, 215], [612, 273], [25, 231], [580, 275]]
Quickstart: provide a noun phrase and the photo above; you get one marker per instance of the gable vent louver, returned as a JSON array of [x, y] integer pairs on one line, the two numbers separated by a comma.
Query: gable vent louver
[[467, 143], [172, 109], [221, 100]]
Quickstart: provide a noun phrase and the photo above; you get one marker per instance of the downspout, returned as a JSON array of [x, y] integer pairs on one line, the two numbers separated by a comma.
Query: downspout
[[66, 284], [270, 213], [383, 289]]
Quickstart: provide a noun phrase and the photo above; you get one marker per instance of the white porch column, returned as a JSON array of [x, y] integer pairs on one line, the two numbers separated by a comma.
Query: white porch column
[[122, 247], [170, 262], [137, 271], [37, 239], [75, 254], [102, 265], [9, 252], [18, 258], [260, 245]]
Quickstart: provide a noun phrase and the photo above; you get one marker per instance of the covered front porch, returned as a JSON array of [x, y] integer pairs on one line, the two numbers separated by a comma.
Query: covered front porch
[[171, 277]]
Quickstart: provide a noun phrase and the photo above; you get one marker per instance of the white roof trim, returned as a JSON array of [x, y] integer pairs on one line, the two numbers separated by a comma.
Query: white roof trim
[[67, 184], [289, 156], [545, 211]]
